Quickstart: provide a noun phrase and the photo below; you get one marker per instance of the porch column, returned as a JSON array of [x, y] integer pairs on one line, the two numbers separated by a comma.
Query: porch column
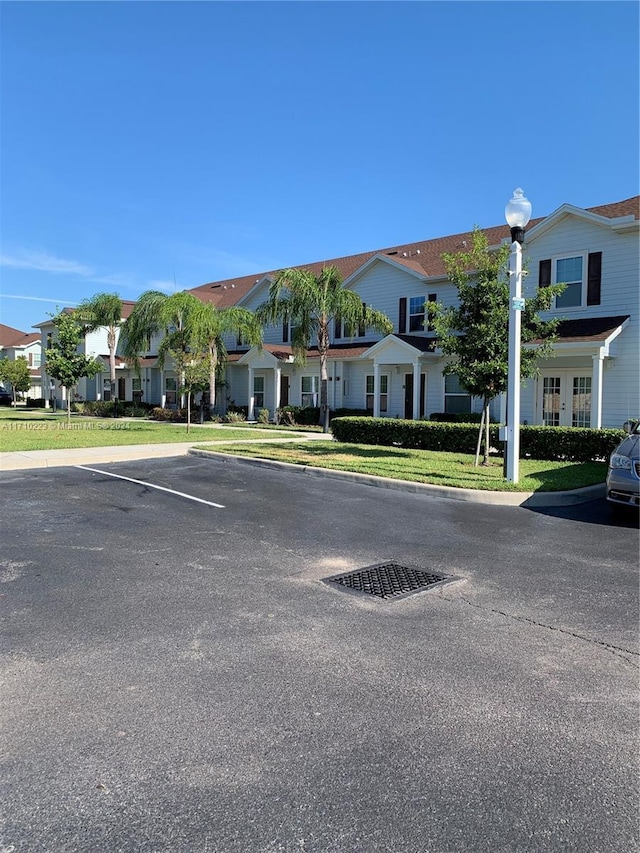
[[250, 415], [277, 375], [596, 390], [376, 389], [416, 390], [163, 394]]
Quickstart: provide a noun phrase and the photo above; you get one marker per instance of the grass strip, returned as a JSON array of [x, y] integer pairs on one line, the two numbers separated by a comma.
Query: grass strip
[[424, 466], [50, 433]]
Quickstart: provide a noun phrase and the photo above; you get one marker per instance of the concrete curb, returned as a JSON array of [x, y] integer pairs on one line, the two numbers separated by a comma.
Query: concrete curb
[[524, 499]]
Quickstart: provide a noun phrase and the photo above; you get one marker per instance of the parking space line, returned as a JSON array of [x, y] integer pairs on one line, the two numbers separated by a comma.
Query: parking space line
[[151, 486]]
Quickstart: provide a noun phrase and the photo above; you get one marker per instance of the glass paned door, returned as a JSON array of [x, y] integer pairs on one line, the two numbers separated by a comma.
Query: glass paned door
[[566, 400], [581, 402], [551, 401]]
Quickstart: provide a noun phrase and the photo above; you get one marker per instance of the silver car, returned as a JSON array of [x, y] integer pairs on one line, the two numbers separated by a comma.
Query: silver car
[[623, 476]]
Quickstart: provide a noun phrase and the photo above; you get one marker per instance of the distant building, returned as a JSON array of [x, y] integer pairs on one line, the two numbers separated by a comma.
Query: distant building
[[14, 343]]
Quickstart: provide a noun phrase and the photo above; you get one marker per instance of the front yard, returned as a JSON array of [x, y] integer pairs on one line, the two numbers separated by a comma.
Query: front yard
[[424, 466], [22, 430]]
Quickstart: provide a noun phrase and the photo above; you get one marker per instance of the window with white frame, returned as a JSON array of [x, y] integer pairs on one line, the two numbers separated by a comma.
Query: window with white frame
[[416, 314], [171, 391], [258, 392], [37, 359], [310, 390], [457, 399], [570, 271], [106, 390], [370, 392]]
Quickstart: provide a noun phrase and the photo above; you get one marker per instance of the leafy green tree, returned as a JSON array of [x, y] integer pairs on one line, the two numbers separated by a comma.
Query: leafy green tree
[[311, 303], [475, 331], [104, 310], [17, 374], [63, 361], [196, 378]]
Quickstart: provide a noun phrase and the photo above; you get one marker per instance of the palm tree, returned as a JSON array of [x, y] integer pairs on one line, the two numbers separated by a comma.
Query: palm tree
[[209, 325], [311, 303], [104, 309], [191, 329], [154, 313]]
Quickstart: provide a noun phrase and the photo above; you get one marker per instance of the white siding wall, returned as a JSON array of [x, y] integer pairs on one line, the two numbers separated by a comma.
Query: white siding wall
[[620, 295]]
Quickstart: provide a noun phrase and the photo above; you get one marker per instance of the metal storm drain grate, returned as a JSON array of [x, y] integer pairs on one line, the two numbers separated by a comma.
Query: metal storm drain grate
[[389, 580]]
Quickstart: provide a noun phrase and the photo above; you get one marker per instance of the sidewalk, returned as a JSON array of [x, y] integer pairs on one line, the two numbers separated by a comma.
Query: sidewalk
[[21, 460]]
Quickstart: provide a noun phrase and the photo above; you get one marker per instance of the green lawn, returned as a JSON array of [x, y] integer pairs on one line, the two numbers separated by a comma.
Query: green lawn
[[423, 466], [38, 429]]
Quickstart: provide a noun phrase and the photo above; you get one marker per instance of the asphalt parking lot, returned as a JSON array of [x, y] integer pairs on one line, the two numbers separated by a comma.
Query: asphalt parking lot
[[176, 676]]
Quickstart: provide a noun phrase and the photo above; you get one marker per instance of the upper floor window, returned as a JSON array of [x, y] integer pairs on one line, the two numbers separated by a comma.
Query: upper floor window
[[569, 271], [37, 359], [416, 314], [580, 273], [288, 331]]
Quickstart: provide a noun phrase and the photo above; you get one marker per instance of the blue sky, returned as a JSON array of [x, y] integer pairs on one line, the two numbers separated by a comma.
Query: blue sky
[[160, 144]]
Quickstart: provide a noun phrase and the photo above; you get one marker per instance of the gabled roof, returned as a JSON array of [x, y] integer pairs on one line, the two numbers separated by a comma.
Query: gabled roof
[[413, 267], [422, 257], [620, 217], [10, 337], [127, 307]]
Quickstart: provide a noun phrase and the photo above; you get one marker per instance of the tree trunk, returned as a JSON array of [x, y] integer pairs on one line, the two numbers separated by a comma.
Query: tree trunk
[[487, 438], [188, 411], [213, 363], [111, 343], [323, 349], [479, 443]]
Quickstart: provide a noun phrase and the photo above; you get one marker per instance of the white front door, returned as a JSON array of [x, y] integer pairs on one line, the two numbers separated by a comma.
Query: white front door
[[564, 399]]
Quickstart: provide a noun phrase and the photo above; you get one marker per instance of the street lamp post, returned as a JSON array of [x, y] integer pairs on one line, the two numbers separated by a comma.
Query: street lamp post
[[518, 214]]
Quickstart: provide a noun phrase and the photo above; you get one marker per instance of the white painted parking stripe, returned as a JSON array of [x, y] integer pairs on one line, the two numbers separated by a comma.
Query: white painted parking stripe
[[151, 486]]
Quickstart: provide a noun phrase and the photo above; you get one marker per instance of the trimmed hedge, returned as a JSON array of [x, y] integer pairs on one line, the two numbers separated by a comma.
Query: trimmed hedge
[[310, 415], [576, 444], [461, 418], [536, 442], [344, 413]]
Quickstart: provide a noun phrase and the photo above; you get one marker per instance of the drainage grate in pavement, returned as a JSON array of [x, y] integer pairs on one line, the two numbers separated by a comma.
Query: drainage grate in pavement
[[389, 580]]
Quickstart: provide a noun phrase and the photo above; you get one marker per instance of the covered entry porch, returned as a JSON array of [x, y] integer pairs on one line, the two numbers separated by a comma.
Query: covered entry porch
[[406, 355]]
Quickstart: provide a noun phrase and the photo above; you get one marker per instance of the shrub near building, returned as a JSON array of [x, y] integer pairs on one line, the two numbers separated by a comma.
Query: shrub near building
[[536, 442]]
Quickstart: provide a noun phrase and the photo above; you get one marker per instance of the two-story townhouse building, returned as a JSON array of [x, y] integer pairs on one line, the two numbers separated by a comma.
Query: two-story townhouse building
[[14, 344], [130, 384], [593, 379]]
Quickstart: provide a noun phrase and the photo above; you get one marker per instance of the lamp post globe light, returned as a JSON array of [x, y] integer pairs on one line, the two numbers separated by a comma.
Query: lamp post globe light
[[517, 213]]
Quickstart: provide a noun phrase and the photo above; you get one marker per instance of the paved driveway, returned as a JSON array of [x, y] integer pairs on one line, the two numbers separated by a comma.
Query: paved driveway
[[176, 676]]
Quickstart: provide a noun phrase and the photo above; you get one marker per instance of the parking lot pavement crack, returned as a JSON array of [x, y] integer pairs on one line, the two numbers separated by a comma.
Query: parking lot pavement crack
[[618, 651]]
